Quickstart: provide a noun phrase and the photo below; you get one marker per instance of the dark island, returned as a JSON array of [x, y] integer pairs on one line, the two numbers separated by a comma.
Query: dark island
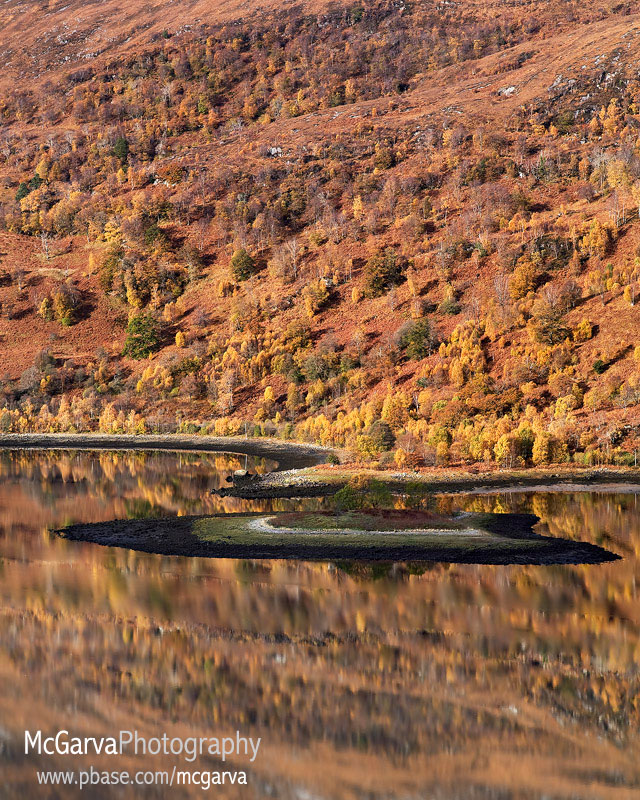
[[364, 535]]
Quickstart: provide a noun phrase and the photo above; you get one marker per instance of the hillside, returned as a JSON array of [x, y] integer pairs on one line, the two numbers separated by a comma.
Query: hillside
[[42, 38], [410, 229]]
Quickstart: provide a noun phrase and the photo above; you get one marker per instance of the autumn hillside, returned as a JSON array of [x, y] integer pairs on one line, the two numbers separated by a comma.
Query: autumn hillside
[[408, 229]]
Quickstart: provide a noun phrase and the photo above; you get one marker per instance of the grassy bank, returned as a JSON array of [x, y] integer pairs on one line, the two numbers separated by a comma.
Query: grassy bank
[[324, 480]]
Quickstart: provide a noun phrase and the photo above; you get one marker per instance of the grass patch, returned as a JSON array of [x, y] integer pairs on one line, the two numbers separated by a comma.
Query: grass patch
[[362, 543], [366, 521]]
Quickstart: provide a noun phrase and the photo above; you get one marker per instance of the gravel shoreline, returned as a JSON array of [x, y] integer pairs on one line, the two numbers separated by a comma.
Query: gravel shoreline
[[289, 455], [325, 482], [291, 480]]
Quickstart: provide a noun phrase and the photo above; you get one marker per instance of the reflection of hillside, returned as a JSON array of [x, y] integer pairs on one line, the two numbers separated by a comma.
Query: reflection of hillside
[[599, 605], [492, 676], [51, 488]]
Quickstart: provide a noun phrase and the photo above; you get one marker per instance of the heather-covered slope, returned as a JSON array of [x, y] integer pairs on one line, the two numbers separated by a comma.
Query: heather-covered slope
[[42, 38], [411, 230]]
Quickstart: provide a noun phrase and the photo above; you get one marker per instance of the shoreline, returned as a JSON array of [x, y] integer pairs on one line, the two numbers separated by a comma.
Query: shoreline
[[302, 472], [302, 468], [324, 481], [289, 455]]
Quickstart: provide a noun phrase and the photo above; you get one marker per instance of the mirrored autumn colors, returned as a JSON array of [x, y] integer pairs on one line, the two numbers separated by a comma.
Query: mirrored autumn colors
[[434, 680]]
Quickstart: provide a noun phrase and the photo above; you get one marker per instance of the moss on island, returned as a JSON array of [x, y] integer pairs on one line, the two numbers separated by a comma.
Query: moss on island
[[367, 520]]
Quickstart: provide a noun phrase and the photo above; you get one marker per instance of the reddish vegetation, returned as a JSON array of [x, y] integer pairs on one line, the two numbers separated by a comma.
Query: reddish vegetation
[[345, 223]]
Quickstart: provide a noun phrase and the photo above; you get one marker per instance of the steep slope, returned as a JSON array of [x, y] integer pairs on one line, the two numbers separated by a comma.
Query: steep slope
[[430, 208], [40, 39]]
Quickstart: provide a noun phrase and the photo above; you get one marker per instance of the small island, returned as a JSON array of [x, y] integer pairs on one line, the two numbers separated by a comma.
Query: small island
[[363, 535]]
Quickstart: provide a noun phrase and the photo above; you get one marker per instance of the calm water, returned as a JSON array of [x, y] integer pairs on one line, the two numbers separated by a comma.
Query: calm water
[[448, 682]]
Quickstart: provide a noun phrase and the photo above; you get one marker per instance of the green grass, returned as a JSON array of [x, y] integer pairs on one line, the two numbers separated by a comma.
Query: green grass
[[364, 521], [318, 534]]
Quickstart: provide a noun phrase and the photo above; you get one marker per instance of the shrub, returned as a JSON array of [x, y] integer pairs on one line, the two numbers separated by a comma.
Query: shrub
[[599, 366], [382, 271], [242, 265], [361, 493], [121, 149], [348, 499], [142, 336], [416, 340]]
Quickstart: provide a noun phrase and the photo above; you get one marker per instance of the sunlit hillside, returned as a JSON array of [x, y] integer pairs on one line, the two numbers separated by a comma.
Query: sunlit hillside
[[409, 229]]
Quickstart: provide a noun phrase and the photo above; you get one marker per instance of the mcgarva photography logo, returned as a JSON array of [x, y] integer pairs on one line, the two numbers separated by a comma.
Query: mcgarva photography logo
[[63, 743]]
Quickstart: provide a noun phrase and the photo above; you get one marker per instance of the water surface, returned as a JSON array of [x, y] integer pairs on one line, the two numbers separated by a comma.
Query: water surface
[[445, 681]]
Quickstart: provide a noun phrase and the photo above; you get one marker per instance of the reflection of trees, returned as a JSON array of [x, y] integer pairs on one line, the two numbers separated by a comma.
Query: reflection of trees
[[305, 653], [112, 484]]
